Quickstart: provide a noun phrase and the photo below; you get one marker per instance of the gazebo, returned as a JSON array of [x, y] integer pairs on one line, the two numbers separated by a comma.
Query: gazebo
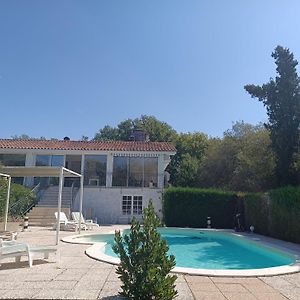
[[59, 172]]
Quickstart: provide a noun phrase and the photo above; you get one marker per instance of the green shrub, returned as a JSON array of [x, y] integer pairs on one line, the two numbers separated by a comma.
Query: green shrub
[[285, 213], [145, 265], [190, 207], [257, 212], [21, 198]]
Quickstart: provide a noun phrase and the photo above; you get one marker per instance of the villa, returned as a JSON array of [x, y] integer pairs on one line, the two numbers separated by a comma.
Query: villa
[[119, 177]]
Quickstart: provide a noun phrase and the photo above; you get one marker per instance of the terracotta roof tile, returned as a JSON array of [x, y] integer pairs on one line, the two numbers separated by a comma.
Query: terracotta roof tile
[[87, 145]]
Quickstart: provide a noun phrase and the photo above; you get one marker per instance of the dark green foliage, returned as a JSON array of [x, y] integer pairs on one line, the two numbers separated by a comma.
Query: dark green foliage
[[285, 213], [190, 207], [20, 198], [257, 212], [145, 266], [185, 164], [276, 214], [281, 97], [158, 131], [241, 161]]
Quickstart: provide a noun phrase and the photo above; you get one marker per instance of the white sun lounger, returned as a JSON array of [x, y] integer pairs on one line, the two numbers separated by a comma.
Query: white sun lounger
[[68, 225], [18, 249], [89, 223]]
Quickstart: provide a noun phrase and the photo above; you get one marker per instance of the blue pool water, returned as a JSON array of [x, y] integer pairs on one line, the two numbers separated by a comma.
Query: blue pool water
[[211, 250]]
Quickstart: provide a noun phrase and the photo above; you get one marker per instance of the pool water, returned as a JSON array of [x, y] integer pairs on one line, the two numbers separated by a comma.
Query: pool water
[[211, 250]]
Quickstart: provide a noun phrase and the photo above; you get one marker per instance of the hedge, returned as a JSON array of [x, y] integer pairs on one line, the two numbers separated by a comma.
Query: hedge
[[285, 213], [257, 212], [276, 214], [190, 207]]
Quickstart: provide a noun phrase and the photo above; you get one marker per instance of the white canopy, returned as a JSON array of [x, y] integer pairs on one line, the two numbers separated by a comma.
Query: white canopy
[[39, 172], [60, 172]]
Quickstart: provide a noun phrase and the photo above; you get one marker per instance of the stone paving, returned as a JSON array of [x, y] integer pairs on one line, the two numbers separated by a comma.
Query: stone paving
[[70, 274]]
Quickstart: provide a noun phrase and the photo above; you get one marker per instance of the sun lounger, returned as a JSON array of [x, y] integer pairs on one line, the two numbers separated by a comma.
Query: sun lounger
[[68, 225], [89, 223], [8, 235], [18, 249]]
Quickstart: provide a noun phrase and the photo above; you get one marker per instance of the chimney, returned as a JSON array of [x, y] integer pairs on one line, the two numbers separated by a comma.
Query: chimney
[[139, 135]]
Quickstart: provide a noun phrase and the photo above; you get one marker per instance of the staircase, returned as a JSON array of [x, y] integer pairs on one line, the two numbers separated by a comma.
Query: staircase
[[43, 213]]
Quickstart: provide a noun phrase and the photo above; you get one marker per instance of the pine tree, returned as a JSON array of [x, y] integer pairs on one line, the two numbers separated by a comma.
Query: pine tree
[[145, 266], [281, 97]]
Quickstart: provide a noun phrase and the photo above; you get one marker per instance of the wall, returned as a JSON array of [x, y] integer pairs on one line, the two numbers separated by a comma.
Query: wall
[[106, 203]]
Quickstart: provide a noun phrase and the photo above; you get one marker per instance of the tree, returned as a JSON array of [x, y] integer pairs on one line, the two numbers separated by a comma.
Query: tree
[[84, 138], [107, 133], [281, 97], [242, 160], [145, 266], [158, 131], [184, 166]]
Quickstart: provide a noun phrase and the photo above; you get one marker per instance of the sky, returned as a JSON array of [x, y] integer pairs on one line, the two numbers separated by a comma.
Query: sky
[[68, 68]]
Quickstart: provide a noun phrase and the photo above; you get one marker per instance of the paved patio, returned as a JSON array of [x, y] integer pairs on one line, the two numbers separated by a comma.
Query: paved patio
[[70, 274]]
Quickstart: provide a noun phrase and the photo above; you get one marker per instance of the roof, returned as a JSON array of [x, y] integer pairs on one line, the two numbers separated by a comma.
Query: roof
[[86, 145]]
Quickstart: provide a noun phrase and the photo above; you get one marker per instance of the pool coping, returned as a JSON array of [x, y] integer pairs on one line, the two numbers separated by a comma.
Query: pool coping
[[96, 251]]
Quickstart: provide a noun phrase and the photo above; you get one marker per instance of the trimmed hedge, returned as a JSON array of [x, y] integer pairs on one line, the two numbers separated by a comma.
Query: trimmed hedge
[[257, 212], [276, 214], [285, 213], [190, 207]]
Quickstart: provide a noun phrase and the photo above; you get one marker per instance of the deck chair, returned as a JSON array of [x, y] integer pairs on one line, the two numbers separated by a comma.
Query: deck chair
[[66, 224], [89, 223], [18, 249], [8, 235]]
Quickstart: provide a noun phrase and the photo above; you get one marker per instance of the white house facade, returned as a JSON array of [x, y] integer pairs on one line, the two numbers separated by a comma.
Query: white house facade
[[119, 177]]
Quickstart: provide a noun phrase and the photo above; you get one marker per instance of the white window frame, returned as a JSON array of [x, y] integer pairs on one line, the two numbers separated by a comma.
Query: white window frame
[[132, 198]]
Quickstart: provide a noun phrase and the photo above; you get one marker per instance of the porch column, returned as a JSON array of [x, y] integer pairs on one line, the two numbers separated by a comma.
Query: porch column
[[80, 203], [109, 169], [61, 176], [7, 202]]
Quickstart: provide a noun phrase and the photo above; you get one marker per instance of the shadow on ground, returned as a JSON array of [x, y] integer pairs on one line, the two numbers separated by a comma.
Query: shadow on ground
[[21, 265]]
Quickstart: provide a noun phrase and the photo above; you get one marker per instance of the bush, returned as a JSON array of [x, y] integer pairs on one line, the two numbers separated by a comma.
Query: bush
[[21, 198], [190, 207], [145, 265]]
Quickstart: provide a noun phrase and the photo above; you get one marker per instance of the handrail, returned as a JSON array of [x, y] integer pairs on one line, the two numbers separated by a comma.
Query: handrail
[[22, 198], [36, 187], [34, 190]]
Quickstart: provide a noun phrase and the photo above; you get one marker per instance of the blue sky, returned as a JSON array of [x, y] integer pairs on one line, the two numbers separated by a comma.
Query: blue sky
[[71, 67]]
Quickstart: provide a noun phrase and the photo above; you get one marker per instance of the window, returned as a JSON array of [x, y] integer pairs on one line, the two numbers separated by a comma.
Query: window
[[13, 159], [120, 171], [132, 205], [150, 171], [136, 168], [137, 206], [126, 205], [95, 170], [135, 171], [48, 161]]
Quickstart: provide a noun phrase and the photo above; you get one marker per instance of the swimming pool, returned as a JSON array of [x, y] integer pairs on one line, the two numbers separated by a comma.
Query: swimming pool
[[210, 250]]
